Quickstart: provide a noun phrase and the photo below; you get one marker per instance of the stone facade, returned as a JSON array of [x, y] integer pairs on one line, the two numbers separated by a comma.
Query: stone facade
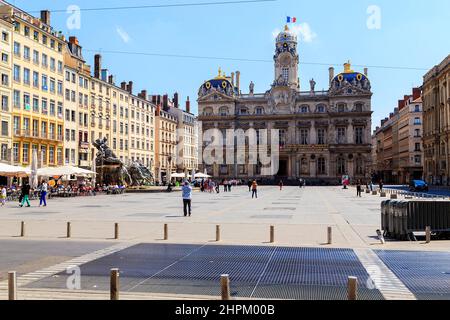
[[436, 107], [322, 134]]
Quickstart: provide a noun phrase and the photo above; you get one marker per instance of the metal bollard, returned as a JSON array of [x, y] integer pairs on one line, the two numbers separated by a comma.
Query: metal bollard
[[22, 229], [166, 232], [225, 286], [272, 234], [114, 284], [217, 233], [116, 231], [428, 234], [69, 230], [330, 235], [352, 288], [12, 285]]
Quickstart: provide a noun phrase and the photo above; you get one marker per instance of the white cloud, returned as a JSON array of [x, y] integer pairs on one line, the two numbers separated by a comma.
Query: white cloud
[[123, 34], [302, 30]]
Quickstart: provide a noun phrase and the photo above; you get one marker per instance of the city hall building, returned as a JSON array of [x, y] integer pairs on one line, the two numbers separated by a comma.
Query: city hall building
[[322, 135]]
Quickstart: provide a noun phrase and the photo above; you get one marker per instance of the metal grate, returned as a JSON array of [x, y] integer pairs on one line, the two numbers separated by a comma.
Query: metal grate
[[425, 274]]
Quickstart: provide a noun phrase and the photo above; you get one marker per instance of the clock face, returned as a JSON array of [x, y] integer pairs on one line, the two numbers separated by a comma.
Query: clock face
[[285, 60]]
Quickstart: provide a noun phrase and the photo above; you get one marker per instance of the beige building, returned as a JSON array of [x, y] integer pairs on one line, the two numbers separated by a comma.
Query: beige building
[[436, 122], [37, 87], [166, 140], [322, 135], [5, 91], [397, 143]]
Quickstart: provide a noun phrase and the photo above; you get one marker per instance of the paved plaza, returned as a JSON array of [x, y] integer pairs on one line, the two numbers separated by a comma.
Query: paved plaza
[[300, 264]]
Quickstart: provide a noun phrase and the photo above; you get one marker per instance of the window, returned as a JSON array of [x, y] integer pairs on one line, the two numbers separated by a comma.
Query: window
[[359, 136], [5, 103], [358, 107], [341, 136], [60, 66], [44, 83], [52, 85], [44, 60], [417, 108], [5, 79], [304, 109], [259, 110], [341, 107], [417, 133], [26, 53], [52, 108], [16, 152], [417, 121], [16, 73], [26, 76], [320, 136], [5, 57], [341, 166], [35, 79], [16, 99], [321, 109], [321, 166], [26, 102], [36, 35], [35, 57], [60, 88], [35, 104], [25, 153], [303, 136], [282, 137], [52, 64], [17, 49], [5, 128], [285, 74], [5, 36], [4, 152], [418, 159], [417, 147]]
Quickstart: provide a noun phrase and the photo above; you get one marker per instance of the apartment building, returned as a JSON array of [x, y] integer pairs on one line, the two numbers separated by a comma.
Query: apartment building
[[397, 143], [186, 133], [37, 87], [5, 91], [436, 108]]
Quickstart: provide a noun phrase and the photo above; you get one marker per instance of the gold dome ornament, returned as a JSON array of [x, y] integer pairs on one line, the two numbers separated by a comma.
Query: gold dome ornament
[[340, 78], [208, 85], [359, 77], [224, 84]]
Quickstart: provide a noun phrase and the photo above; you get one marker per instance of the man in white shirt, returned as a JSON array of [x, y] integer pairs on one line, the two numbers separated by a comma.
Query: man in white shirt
[[44, 189]]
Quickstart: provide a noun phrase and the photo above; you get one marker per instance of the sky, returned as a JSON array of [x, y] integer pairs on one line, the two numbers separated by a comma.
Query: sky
[[410, 34]]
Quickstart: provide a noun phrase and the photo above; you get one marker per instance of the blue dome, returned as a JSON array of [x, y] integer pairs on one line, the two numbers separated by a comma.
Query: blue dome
[[350, 77]]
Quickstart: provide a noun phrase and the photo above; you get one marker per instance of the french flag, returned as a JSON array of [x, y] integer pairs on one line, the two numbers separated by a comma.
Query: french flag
[[291, 19]]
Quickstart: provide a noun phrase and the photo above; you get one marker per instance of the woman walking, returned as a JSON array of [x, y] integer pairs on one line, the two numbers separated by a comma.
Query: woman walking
[[254, 189], [281, 185], [358, 188], [25, 195]]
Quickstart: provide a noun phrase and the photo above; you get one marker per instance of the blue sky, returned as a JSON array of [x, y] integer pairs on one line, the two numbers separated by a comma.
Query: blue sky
[[412, 34]]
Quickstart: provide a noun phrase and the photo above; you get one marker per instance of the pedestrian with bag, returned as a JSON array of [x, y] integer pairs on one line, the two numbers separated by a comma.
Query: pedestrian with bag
[[186, 191]]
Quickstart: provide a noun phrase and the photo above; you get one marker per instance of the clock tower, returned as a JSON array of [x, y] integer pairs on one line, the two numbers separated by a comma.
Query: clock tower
[[286, 60]]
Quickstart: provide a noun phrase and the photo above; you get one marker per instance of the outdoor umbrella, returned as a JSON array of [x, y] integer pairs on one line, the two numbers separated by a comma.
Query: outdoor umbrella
[[7, 170], [34, 170]]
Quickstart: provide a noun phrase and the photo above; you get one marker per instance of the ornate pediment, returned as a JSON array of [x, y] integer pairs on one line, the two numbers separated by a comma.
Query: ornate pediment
[[281, 124], [341, 122], [304, 124], [359, 122], [322, 123], [213, 95], [346, 88]]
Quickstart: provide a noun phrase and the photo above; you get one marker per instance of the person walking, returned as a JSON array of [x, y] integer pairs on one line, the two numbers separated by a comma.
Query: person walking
[[254, 189], [3, 196], [358, 188], [381, 185], [281, 185], [300, 183], [225, 185], [44, 189], [25, 195], [187, 198], [229, 185], [249, 184]]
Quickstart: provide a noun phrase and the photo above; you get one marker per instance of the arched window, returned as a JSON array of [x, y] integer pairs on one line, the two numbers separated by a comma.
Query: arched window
[[208, 111], [320, 108], [259, 110], [358, 107], [223, 111], [341, 107], [243, 111], [304, 109], [341, 166]]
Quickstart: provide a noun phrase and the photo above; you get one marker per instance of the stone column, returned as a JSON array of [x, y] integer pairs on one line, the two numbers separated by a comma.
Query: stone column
[[350, 134], [351, 168], [312, 168]]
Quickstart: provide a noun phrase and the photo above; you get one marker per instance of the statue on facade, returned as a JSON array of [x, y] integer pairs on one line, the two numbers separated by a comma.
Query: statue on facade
[[312, 84], [252, 87]]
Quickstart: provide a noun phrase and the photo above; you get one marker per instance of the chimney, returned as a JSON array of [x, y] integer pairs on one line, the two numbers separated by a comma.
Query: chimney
[[97, 65], [104, 75], [391, 115], [153, 99], [175, 100], [111, 79], [74, 40], [45, 17], [158, 110], [123, 85], [130, 87], [417, 93], [331, 74], [166, 102], [158, 100], [238, 80], [366, 72], [401, 104], [188, 105], [232, 79], [144, 94]]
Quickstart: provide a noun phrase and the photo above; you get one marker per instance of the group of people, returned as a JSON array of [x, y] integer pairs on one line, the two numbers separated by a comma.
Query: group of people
[[25, 192], [369, 186]]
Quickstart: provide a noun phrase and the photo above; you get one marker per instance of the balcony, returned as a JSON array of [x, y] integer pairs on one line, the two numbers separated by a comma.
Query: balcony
[[84, 145]]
